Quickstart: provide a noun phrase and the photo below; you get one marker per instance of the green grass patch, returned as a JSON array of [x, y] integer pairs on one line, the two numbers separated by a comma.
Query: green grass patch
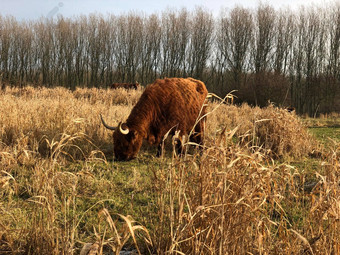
[[326, 135]]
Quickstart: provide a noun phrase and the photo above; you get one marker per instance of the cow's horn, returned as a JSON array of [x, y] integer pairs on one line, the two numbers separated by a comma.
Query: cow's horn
[[106, 125], [123, 131]]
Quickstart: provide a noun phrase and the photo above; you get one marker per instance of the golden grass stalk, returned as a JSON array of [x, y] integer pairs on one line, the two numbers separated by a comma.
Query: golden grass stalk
[[120, 233], [232, 197]]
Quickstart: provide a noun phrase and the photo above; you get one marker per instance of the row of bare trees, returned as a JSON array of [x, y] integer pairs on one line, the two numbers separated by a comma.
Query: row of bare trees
[[284, 56]]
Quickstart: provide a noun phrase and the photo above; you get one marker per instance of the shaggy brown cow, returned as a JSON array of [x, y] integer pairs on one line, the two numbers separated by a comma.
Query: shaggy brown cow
[[168, 104], [290, 109], [125, 85]]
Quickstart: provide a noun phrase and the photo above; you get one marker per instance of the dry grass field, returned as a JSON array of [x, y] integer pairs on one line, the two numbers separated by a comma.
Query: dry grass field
[[262, 183]]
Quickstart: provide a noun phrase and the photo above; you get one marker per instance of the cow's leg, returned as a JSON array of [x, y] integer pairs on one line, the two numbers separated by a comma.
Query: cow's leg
[[198, 135], [159, 150], [178, 146]]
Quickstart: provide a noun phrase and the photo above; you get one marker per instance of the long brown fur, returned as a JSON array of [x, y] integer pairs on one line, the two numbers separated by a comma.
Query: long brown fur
[[167, 104]]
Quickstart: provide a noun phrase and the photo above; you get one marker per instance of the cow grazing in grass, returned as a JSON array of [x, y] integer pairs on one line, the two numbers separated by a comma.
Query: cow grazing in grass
[[290, 109], [173, 104], [125, 85]]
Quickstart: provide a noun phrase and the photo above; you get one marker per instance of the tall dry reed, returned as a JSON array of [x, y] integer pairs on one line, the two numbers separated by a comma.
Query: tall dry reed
[[229, 200], [231, 197]]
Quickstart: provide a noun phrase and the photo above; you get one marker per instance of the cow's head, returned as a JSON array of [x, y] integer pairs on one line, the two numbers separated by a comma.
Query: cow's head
[[127, 141]]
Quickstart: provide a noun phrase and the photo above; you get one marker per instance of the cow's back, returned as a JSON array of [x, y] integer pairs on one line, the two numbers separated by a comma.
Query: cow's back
[[172, 103], [186, 97]]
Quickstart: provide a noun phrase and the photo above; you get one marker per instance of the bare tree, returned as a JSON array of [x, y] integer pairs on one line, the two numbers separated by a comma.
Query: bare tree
[[262, 51], [233, 43], [332, 84], [200, 43], [80, 54], [129, 47], [309, 60], [262, 44], [150, 55], [174, 43], [284, 38]]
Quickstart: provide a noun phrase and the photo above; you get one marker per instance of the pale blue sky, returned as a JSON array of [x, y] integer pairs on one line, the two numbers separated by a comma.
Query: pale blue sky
[[34, 9]]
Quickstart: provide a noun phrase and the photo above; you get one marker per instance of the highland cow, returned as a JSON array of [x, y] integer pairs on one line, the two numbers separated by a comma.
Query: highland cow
[[125, 85], [170, 104]]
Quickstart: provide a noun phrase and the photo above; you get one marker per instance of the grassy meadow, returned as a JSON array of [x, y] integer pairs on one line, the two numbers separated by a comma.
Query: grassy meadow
[[265, 182]]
